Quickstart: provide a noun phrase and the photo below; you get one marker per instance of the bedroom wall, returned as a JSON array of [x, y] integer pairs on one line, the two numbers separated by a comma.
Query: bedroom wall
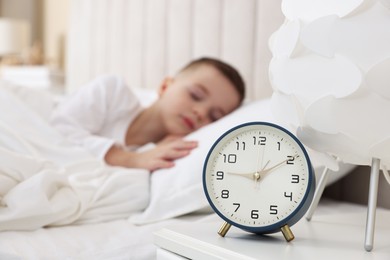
[[49, 23], [29, 10], [55, 28], [146, 40], [355, 186]]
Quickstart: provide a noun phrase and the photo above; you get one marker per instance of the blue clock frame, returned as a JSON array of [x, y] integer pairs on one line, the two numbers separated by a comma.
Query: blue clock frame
[[294, 216]]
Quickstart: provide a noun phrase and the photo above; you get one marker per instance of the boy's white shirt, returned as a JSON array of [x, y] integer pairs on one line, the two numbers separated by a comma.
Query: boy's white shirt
[[98, 115]]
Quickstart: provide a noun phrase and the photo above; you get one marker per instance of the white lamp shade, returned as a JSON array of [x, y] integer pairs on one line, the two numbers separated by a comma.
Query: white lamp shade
[[14, 36], [331, 76]]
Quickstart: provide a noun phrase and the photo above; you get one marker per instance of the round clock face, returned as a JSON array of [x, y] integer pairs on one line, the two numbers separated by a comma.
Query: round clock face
[[258, 176]]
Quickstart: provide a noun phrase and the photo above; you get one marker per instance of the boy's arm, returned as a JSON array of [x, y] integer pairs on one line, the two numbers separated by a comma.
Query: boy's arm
[[82, 115]]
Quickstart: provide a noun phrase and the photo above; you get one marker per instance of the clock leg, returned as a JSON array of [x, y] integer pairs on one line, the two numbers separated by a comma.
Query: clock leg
[[287, 233], [318, 193], [224, 229]]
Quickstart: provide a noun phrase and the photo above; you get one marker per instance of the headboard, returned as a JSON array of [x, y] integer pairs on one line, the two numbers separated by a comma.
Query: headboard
[[146, 40]]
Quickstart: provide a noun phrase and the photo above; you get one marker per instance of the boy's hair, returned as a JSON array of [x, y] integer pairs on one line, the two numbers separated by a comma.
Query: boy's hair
[[227, 70]]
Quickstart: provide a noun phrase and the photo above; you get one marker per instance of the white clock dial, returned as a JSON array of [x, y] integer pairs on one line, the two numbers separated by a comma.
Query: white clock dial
[[258, 176]]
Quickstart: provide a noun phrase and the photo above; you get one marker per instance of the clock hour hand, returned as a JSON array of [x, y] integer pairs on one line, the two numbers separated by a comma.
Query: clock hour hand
[[266, 171]]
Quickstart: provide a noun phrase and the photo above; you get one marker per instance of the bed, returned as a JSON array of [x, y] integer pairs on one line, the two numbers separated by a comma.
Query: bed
[[57, 201]]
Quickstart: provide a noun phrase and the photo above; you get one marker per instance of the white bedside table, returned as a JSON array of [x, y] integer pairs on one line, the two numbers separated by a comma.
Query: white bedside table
[[329, 236]]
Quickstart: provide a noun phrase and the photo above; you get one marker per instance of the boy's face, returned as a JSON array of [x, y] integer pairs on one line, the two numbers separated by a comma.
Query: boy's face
[[194, 98]]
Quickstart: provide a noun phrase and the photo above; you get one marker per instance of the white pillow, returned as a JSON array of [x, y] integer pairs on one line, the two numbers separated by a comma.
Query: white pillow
[[179, 190]]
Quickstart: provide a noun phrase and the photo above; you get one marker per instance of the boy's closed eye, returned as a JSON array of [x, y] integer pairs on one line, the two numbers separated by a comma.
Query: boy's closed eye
[[195, 96], [197, 92]]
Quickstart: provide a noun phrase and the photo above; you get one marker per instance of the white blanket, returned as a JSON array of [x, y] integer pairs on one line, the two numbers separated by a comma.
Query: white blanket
[[46, 181]]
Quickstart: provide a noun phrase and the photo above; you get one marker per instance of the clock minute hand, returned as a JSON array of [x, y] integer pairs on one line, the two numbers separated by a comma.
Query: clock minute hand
[[250, 176]]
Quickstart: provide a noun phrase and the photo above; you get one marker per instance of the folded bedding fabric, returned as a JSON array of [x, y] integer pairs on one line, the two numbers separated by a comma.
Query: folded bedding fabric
[[46, 181]]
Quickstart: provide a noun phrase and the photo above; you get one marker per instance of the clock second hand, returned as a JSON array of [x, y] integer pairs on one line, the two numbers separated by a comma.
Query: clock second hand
[[257, 175]]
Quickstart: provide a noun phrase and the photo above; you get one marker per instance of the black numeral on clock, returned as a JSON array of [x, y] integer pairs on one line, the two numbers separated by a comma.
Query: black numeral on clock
[[294, 178], [288, 195], [237, 206], [220, 175], [255, 214], [260, 140], [240, 146], [230, 158], [290, 159], [273, 209], [225, 194]]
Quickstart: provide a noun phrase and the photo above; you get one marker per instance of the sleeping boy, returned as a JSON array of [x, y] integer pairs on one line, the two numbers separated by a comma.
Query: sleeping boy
[[107, 119]]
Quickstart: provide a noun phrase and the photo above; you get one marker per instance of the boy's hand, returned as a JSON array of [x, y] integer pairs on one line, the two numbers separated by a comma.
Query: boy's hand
[[165, 152], [161, 156]]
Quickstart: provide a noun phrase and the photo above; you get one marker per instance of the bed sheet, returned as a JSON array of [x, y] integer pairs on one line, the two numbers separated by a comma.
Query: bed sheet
[[118, 239]]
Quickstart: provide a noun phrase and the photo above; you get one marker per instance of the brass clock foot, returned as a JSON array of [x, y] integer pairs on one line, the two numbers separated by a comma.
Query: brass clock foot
[[287, 233], [224, 229]]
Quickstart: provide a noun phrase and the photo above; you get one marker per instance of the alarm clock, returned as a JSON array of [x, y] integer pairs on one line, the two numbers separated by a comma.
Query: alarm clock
[[258, 177]]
